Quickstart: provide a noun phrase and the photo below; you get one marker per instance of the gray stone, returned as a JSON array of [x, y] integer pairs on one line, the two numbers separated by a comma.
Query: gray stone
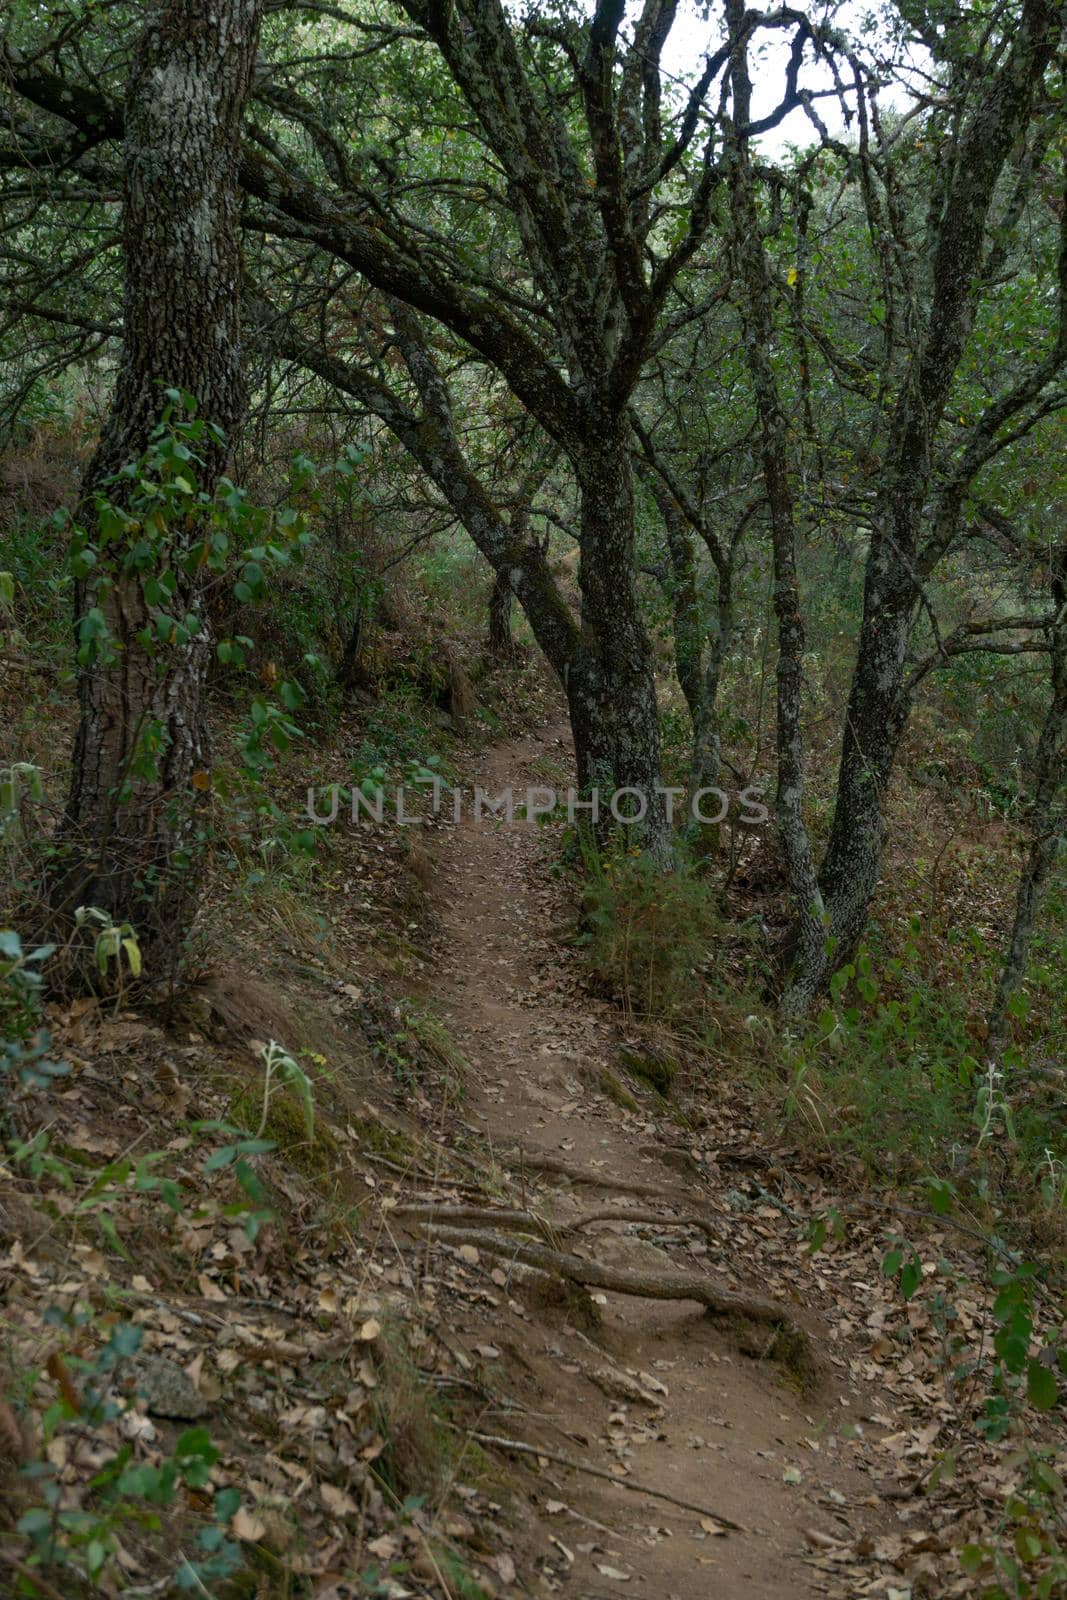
[[165, 1389]]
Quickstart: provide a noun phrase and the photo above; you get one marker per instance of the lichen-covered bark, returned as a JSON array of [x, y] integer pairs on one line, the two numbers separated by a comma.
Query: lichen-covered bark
[[498, 634], [1048, 821], [611, 686], [188, 84]]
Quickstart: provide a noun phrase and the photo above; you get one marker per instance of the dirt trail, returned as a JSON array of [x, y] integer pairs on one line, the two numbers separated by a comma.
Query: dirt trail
[[731, 1435]]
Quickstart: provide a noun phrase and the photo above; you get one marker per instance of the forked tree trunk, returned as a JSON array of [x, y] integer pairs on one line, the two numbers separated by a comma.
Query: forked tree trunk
[[128, 835]]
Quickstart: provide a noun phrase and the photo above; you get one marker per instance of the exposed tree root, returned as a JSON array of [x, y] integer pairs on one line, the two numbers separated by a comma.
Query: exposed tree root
[[789, 1341], [454, 1216], [709, 1229], [549, 1228]]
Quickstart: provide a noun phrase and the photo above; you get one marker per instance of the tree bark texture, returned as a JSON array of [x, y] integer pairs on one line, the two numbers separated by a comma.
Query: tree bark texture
[[125, 828]]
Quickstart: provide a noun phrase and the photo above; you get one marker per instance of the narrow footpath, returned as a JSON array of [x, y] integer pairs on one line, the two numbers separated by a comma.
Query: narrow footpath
[[660, 1393]]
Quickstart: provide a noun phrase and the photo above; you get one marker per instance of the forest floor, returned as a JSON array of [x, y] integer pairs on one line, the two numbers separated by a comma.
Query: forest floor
[[404, 1404]]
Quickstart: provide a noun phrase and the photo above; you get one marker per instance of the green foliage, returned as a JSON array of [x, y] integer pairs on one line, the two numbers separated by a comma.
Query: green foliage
[[24, 1045], [73, 1545], [415, 1046], [646, 935], [83, 1543], [891, 1071], [888, 1069], [36, 585], [400, 735], [116, 942], [156, 525]]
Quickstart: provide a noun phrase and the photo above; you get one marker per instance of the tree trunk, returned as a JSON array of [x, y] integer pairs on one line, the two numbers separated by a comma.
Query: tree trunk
[[606, 666], [611, 686], [501, 643], [129, 829], [758, 323], [1046, 819], [879, 699]]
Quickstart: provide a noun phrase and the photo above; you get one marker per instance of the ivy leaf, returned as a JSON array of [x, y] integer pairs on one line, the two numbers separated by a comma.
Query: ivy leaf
[[910, 1277], [1041, 1387]]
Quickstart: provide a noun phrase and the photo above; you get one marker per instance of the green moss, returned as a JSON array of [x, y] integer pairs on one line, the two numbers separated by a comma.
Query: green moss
[[383, 1141], [315, 1153], [610, 1085], [653, 1067]]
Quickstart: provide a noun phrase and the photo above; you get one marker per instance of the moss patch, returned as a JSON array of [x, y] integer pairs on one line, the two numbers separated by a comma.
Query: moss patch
[[653, 1067], [313, 1152], [383, 1141], [610, 1085]]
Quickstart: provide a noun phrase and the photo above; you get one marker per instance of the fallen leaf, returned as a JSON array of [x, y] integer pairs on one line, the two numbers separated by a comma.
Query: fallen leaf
[[246, 1526], [337, 1501], [505, 1568]]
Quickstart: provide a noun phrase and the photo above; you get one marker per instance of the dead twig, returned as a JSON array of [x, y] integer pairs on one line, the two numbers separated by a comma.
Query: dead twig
[[30, 1575]]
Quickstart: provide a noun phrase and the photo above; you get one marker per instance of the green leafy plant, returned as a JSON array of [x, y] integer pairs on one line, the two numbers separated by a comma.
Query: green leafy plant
[[25, 1047], [116, 942], [79, 1543], [282, 1071], [646, 935]]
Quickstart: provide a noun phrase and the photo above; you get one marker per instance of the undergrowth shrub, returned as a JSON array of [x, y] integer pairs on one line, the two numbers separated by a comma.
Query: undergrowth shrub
[[893, 1071], [647, 936], [888, 1077], [400, 730]]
